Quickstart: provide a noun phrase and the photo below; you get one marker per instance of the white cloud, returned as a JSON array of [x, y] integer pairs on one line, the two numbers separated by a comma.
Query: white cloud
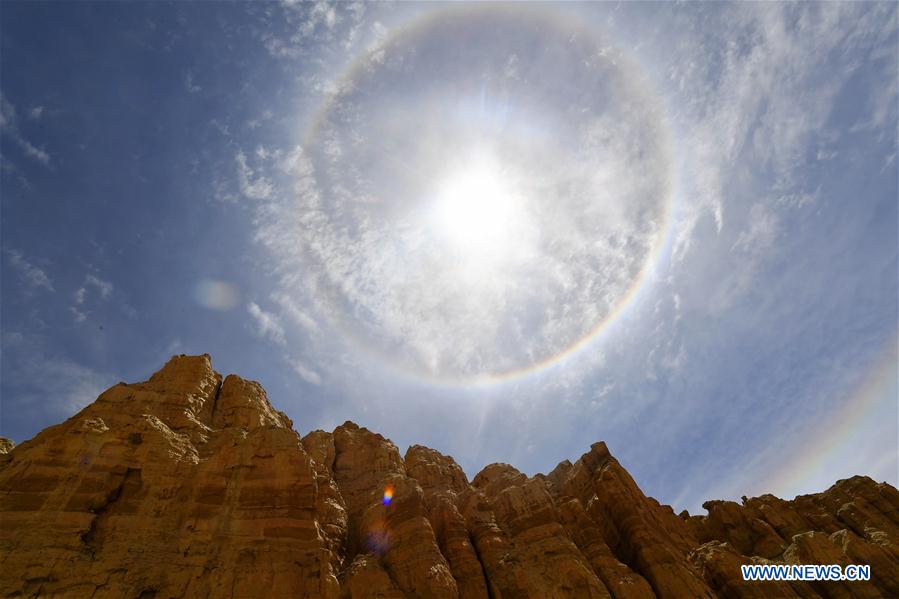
[[252, 186], [222, 128], [320, 25], [104, 288], [754, 91], [33, 276], [257, 122], [190, 84], [36, 112], [760, 233], [798, 200], [8, 122], [306, 373], [264, 153], [34, 152], [320, 17], [297, 315], [267, 324], [376, 45]]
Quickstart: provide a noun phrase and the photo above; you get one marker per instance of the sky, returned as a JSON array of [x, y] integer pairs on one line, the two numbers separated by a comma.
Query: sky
[[502, 231]]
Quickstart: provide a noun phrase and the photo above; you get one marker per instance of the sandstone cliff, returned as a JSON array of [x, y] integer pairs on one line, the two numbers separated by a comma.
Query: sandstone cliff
[[193, 485]]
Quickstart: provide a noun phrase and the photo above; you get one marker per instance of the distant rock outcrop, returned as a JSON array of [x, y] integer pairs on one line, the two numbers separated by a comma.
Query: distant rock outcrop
[[191, 485], [6, 445]]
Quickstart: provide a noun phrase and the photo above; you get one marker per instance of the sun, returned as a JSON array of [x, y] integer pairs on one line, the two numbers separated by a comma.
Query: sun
[[477, 211]]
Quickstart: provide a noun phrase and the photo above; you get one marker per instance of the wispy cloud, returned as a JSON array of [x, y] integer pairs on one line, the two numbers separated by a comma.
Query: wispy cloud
[[44, 384], [313, 26], [79, 314], [102, 288], [253, 186], [306, 373], [740, 101], [267, 324], [32, 276], [296, 313], [8, 123], [34, 152], [190, 83]]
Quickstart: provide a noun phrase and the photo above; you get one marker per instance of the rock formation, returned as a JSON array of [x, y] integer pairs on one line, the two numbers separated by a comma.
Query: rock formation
[[193, 485]]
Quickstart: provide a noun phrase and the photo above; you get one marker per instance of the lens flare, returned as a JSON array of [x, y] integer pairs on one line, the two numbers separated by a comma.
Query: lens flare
[[216, 295], [377, 538], [388, 495]]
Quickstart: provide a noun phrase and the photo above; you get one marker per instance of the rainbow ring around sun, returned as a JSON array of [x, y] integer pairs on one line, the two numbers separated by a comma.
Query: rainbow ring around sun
[[487, 190]]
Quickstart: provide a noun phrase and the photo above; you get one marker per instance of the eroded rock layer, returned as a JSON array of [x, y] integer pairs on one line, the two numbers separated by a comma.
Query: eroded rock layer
[[193, 485]]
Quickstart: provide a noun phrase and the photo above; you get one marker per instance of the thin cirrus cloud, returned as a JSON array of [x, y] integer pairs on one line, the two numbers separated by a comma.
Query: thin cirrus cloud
[[31, 275], [268, 325], [9, 125], [92, 285]]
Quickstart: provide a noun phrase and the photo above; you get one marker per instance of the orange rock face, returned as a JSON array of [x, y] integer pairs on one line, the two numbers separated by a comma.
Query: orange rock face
[[193, 485]]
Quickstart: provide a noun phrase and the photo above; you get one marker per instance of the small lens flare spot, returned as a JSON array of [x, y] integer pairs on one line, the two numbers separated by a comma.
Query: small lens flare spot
[[378, 537], [388, 495], [216, 295]]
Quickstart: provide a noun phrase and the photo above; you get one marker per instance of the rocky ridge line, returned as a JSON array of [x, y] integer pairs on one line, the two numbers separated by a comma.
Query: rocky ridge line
[[193, 485]]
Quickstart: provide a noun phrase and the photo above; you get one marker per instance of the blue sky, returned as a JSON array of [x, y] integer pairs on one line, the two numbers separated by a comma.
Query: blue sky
[[504, 233]]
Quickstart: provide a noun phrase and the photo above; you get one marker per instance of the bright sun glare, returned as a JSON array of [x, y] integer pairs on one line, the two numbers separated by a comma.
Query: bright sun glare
[[477, 210]]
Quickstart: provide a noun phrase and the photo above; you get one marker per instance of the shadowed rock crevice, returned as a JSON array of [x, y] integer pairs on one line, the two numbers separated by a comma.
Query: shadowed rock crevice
[[215, 401], [488, 589], [191, 484], [118, 500]]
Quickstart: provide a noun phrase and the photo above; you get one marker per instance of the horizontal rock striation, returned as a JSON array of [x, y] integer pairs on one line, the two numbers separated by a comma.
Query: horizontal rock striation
[[193, 485]]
